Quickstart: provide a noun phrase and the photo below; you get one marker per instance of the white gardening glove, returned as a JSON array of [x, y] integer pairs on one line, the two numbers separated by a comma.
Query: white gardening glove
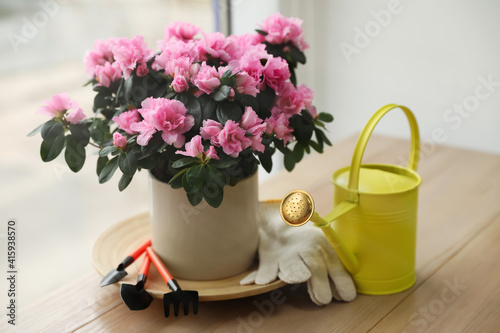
[[299, 254]]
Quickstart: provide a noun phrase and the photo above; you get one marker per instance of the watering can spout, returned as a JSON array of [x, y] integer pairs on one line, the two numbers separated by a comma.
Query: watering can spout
[[297, 208]]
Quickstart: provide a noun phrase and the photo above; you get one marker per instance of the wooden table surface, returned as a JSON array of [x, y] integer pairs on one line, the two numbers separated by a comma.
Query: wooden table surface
[[458, 269]]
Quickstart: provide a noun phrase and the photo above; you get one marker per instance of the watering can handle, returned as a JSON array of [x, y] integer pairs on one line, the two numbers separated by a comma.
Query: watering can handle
[[363, 140]]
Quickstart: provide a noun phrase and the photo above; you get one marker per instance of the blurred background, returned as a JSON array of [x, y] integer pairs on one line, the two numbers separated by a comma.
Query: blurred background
[[441, 59]]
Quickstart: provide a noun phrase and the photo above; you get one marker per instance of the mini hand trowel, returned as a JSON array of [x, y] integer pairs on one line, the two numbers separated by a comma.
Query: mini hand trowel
[[135, 296], [119, 273]]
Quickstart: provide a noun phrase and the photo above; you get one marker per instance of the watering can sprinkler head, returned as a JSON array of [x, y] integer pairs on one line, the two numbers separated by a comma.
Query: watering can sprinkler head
[[297, 208]]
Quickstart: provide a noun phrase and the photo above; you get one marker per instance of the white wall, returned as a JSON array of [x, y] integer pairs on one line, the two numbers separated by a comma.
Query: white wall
[[432, 56]]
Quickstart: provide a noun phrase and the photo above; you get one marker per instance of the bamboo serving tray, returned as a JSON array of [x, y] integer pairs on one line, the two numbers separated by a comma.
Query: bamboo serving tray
[[114, 244]]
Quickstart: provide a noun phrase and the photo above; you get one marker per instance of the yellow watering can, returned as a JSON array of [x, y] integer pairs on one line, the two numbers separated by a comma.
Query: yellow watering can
[[375, 212]]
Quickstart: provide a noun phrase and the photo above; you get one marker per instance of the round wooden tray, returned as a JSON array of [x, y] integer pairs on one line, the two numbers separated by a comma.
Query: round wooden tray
[[120, 240]]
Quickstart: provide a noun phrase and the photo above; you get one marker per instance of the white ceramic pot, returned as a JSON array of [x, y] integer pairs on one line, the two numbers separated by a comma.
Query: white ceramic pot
[[201, 242]]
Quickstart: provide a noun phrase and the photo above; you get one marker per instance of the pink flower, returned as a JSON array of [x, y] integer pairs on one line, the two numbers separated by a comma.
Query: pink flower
[[207, 79], [181, 66], [281, 30], [216, 46], [276, 72], [106, 74], [126, 119], [246, 84], [169, 117], [245, 40], [129, 53], [119, 140], [194, 148], [145, 128], [232, 139], [180, 84], [211, 153], [182, 31], [289, 100], [279, 125], [100, 55], [74, 117], [58, 105], [210, 130], [308, 95], [253, 126], [142, 69], [251, 62], [174, 49]]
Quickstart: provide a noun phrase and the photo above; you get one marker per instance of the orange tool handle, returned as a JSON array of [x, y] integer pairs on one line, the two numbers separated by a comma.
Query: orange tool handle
[[145, 265], [140, 249], [165, 274]]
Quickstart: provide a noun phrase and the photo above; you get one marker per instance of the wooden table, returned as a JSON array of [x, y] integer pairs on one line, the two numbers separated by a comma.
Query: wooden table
[[458, 270]]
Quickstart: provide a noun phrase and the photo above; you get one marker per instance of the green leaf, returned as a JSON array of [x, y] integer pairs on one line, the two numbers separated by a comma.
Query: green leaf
[[266, 161], [303, 127], [196, 175], [248, 100], [177, 175], [298, 152], [213, 194], [297, 54], [289, 162], [108, 170], [227, 73], [194, 108], [215, 176], [184, 161], [102, 100], [124, 181], [127, 163], [278, 143], [52, 129], [105, 151], [316, 146], [99, 131], [146, 163], [262, 32], [228, 111], [224, 162], [325, 117], [101, 162], [266, 100], [222, 93], [320, 133], [74, 154], [194, 197], [155, 144], [36, 130], [51, 148], [209, 107], [99, 89], [80, 133]]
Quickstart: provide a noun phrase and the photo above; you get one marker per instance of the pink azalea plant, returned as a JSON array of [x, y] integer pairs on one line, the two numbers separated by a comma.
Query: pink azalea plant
[[200, 113]]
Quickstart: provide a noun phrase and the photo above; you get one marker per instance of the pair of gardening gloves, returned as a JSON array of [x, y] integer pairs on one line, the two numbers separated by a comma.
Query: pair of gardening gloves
[[299, 254]]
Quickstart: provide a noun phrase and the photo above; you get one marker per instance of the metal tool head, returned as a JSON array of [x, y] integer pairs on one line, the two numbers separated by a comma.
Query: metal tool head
[[113, 276], [135, 296], [184, 297], [297, 208]]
